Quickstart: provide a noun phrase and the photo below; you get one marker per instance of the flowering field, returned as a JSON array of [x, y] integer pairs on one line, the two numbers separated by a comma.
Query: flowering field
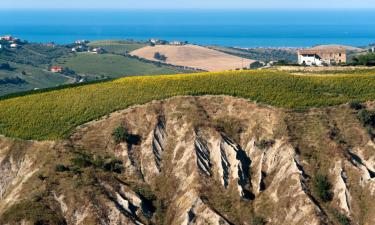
[[54, 114]]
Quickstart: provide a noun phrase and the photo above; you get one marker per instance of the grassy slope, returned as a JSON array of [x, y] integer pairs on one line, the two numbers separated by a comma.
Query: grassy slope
[[118, 47], [260, 54], [35, 77], [110, 65], [53, 115]]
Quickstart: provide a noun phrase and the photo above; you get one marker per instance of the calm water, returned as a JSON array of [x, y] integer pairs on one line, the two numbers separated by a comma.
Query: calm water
[[245, 28]]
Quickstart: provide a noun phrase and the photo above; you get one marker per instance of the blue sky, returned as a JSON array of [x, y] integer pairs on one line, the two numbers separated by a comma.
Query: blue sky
[[183, 4]]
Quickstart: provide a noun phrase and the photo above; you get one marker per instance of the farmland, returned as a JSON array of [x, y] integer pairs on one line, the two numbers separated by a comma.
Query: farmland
[[40, 116], [118, 47], [111, 66]]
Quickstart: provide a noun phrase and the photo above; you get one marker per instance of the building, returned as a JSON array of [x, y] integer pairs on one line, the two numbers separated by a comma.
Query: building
[[97, 50], [56, 69], [81, 42], [14, 45], [158, 42], [7, 38], [177, 43], [50, 44], [320, 56]]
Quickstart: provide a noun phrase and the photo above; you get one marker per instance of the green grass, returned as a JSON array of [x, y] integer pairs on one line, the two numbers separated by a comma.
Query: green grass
[[118, 47], [111, 66], [54, 114], [35, 77]]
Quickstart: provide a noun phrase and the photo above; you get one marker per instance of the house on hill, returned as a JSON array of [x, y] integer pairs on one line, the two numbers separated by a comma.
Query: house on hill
[[56, 69], [320, 56], [7, 38]]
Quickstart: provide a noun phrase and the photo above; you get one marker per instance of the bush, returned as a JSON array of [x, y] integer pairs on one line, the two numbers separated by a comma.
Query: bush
[[264, 144], [256, 65], [323, 187], [341, 218], [367, 117], [113, 165], [61, 168], [82, 161], [121, 134], [107, 164], [258, 221], [160, 57], [356, 105]]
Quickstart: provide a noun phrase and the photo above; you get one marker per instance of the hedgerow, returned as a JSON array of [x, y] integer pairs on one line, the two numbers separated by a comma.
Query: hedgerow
[[54, 114]]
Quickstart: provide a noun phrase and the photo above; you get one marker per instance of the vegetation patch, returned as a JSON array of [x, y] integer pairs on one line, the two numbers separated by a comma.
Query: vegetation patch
[[41, 116], [83, 160], [121, 134], [367, 118], [265, 144], [32, 211], [323, 187]]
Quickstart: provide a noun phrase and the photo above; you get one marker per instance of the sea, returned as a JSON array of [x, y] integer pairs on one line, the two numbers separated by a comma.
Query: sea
[[237, 28]]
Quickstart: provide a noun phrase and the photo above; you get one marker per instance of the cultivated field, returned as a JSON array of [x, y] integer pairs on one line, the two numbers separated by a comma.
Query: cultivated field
[[53, 114], [118, 47], [112, 66], [194, 56]]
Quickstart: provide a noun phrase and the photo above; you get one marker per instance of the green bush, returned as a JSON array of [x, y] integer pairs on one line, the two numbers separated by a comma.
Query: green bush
[[341, 218], [121, 134], [107, 164], [323, 187], [61, 168], [356, 105], [367, 117], [82, 161]]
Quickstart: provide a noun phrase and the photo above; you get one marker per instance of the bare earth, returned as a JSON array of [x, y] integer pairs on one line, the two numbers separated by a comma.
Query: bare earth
[[194, 56]]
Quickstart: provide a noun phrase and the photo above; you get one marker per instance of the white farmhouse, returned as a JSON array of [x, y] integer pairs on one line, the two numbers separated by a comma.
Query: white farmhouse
[[322, 55]]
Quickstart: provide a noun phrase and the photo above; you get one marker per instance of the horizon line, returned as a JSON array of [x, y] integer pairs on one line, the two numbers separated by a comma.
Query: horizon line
[[192, 8]]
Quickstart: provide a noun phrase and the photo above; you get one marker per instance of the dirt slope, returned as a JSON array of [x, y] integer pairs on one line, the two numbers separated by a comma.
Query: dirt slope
[[196, 160], [194, 56]]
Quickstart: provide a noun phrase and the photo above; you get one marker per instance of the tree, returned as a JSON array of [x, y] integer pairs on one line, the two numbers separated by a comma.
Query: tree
[[160, 57], [256, 65]]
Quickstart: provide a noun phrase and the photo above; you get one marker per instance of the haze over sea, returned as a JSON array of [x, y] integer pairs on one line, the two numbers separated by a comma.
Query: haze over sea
[[243, 28]]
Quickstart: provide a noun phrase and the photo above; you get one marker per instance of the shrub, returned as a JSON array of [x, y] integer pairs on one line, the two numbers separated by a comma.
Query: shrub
[[160, 57], [107, 164], [82, 161], [341, 218], [61, 168], [367, 117], [256, 65], [323, 187], [264, 144], [113, 165], [257, 220], [356, 105], [120, 134]]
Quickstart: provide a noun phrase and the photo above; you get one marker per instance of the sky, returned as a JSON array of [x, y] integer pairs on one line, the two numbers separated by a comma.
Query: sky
[[185, 4]]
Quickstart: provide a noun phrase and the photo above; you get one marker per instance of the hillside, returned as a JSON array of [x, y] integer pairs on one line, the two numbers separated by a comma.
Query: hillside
[[30, 63], [195, 57], [261, 54], [97, 66], [118, 47], [40, 116], [195, 160]]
